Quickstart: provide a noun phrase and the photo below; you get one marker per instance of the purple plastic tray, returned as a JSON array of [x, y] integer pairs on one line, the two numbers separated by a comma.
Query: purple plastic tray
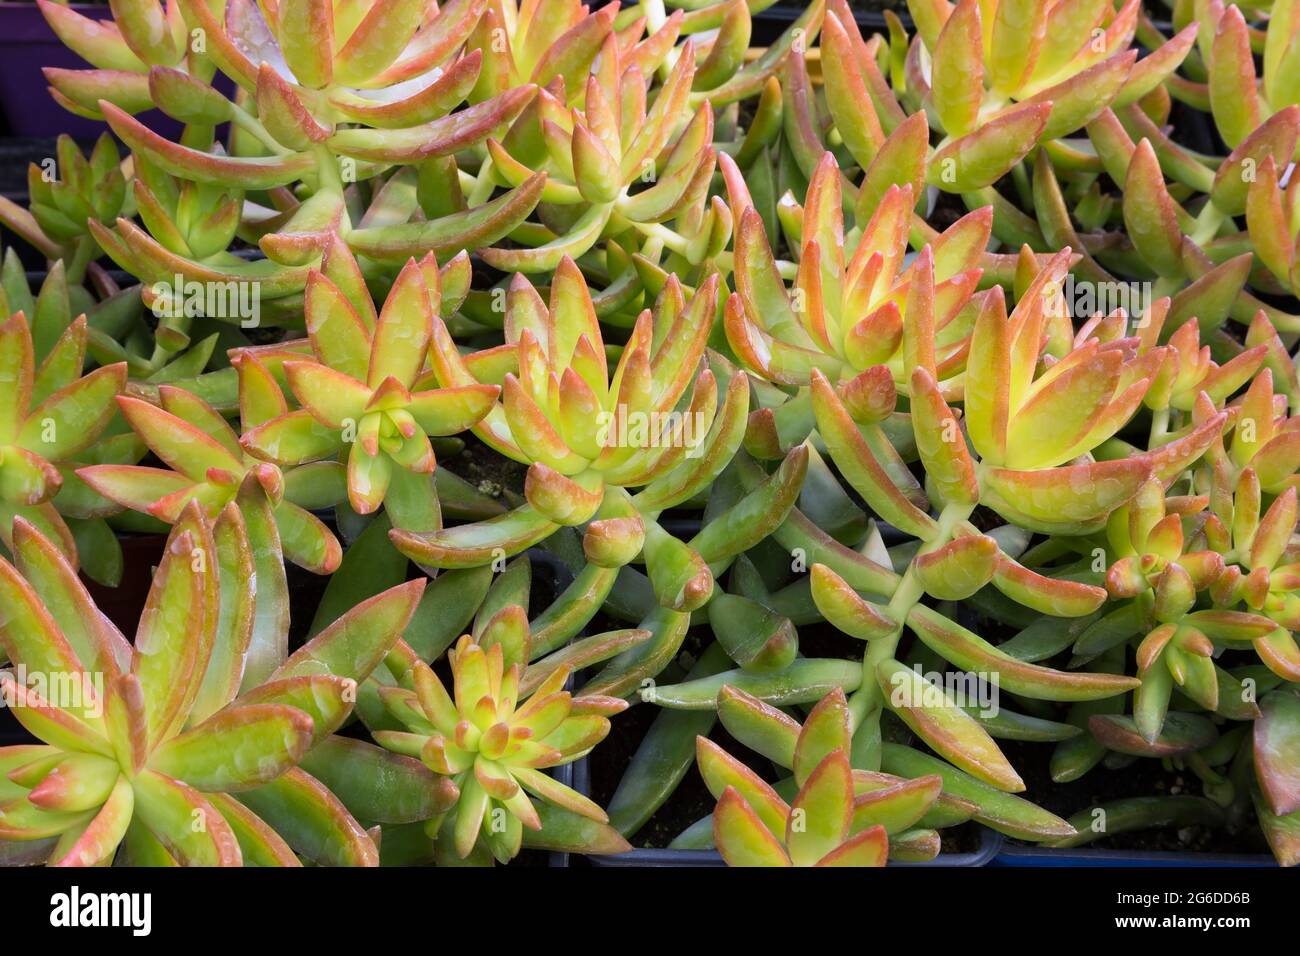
[[26, 45]]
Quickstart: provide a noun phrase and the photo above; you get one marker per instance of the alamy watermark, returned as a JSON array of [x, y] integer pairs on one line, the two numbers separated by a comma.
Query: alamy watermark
[[1085, 299], [73, 909], [969, 690], [188, 298], [627, 429], [71, 690]]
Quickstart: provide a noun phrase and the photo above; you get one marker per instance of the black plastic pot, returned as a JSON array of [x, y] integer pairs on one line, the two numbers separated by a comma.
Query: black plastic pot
[[11, 732], [770, 23], [776, 19]]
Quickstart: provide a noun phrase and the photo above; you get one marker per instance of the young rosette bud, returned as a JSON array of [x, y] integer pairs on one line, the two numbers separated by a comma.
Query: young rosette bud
[[856, 314], [1262, 577], [50, 417], [1188, 368], [194, 220], [364, 391], [184, 748], [65, 193], [497, 732], [1260, 436], [855, 302], [837, 817], [612, 161], [1161, 576], [1148, 537], [658, 424]]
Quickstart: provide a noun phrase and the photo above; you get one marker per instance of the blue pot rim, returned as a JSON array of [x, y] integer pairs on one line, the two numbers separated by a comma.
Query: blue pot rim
[[1012, 854], [989, 846]]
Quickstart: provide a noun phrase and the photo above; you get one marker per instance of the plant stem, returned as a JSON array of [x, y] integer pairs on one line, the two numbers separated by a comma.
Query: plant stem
[[1159, 427], [906, 596], [484, 183], [1207, 224], [251, 124], [81, 256]]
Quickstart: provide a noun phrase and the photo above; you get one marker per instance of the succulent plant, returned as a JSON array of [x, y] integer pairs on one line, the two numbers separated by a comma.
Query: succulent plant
[[1244, 768], [1260, 439], [987, 77], [495, 734], [593, 159], [1262, 576], [1021, 469], [204, 719], [1273, 789], [1184, 253], [60, 346], [1076, 59], [176, 342], [361, 382], [64, 194], [193, 219], [1272, 223], [326, 99], [384, 435], [850, 304], [1156, 567], [1240, 99], [770, 394], [1189, 369], [587, 437], [53, 415], [839, 816]]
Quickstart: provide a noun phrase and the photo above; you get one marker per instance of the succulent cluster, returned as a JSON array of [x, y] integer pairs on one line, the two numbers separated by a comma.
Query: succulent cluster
[[839, 816], [875, 398], [496, 733], [202, 719]]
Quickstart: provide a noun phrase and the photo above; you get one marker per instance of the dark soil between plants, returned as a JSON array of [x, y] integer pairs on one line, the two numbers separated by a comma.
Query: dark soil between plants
[[1142, 778], [490, 472]]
